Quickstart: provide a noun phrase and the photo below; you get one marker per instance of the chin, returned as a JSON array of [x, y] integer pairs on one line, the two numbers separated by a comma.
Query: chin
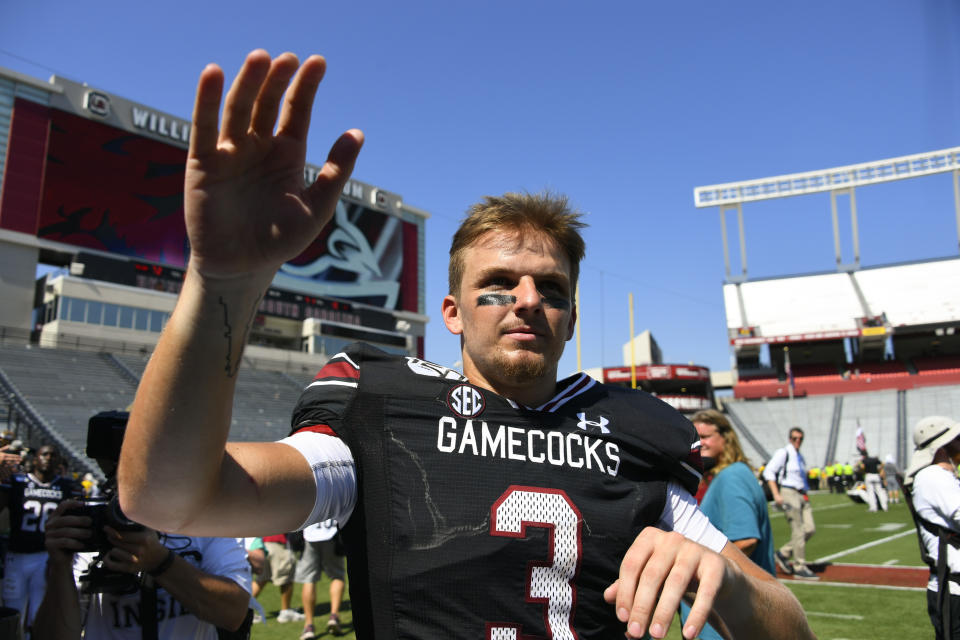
[[520, 367]]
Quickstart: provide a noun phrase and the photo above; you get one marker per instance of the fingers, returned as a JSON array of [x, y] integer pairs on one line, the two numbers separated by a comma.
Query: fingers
[[711, 575], [206, 112], [267, 106], [295, 116], [238, 107], [66, 533], [323, 194], [657, 570]]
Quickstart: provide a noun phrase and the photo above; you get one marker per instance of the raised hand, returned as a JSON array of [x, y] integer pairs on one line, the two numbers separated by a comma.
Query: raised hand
[[247, 208]]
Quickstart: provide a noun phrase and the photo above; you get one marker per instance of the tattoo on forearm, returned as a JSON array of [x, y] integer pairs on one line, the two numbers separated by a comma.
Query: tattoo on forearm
[[232, 362]]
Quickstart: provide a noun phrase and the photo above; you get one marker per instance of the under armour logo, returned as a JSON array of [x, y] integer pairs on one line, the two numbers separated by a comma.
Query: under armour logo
[[584, 423]]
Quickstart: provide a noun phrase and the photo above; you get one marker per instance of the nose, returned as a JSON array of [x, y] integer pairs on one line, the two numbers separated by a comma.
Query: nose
[[527, 295]]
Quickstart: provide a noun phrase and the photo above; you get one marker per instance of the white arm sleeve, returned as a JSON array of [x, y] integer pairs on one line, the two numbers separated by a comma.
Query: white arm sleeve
[[681, 514], [334, 473]]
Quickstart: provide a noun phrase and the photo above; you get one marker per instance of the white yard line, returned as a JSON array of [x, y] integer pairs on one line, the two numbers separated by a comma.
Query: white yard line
[[840, 554], [822, 583], [842, 616]]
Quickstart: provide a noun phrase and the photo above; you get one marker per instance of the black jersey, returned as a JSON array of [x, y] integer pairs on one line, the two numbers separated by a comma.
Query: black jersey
[[478, 517], [30, 501]]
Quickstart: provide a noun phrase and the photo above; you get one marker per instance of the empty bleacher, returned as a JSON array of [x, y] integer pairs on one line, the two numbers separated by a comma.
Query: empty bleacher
[[887, 428], [931, 401], [876, 413], [769, 421], [65, 388]]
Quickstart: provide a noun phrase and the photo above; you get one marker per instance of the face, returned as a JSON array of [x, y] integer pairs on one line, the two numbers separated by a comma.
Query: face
[[711, 442], [514, 311], [47, 459], [796, 439]]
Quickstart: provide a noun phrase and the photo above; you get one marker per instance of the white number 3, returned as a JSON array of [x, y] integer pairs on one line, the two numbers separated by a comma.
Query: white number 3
[[548, 583]]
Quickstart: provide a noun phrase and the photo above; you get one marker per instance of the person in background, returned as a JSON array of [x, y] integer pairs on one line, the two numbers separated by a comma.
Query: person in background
[[848, 476], [786, 474], [733, 501], [891, 474], [321, 553], [202, 584], [30, 497], [257, 558], [873, 478], [278, 567], [931, 484]]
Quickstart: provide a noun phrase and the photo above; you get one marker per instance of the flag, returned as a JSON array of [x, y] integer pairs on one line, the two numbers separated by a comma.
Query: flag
[[861, 441], [788, 369]]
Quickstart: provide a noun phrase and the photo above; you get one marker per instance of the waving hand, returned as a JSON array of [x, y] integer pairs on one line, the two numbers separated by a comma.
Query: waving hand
[[247, 207]]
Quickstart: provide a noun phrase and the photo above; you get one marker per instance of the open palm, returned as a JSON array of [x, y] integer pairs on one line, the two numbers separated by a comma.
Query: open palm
[[247, 208]]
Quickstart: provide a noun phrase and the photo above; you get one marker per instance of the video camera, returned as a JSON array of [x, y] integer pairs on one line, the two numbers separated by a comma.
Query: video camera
[[104, 437]]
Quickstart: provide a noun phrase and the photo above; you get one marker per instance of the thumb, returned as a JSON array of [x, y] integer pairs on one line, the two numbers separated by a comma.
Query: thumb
[[323, 194]]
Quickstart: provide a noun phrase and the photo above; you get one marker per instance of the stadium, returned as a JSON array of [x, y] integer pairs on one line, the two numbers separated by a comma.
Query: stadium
[[92, 200]]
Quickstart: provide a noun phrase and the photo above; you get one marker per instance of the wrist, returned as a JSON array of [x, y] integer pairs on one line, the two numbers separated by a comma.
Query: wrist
[[164, 564]]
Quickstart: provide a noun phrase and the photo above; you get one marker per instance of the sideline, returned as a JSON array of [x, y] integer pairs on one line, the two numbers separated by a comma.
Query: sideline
[[839, 554]]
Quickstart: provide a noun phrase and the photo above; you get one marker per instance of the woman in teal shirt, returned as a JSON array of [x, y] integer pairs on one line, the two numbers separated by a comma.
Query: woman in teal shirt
[[734, 501]]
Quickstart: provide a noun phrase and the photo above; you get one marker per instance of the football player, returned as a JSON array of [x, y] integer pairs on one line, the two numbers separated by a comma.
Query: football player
[[31, 497], [495, 503]]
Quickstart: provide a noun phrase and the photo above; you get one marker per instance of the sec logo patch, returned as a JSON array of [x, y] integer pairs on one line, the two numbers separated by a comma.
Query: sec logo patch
[[465, 401]]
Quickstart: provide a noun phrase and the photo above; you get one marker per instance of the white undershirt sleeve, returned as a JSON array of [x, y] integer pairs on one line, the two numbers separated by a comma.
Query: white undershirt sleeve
[[334, 473], [681, 514]]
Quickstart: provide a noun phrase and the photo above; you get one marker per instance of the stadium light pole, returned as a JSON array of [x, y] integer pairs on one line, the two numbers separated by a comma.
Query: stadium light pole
[[836, 180]]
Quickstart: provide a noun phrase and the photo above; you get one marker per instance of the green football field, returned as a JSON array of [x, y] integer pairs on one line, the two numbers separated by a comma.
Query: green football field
[[846, 533]]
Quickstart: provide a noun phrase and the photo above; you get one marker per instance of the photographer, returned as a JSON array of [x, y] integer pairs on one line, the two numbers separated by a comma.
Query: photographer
[[140, 584], [202, 583]]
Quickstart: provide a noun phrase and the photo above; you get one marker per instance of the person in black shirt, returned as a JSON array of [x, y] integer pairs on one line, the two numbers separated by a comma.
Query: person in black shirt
[[558, 466], [31, 498]]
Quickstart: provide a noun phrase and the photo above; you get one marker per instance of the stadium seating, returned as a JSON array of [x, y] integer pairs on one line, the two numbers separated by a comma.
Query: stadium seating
[[876, 413], [769, 421], [67, 387]]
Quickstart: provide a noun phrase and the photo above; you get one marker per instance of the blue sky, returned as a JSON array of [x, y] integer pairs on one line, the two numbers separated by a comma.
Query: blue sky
[[623, 106]]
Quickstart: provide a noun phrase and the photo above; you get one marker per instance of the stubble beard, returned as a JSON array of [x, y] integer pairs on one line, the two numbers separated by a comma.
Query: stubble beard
[[530, 366]]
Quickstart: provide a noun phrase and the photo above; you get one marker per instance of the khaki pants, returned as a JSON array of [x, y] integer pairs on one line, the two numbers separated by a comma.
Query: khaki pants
[[800, 518]]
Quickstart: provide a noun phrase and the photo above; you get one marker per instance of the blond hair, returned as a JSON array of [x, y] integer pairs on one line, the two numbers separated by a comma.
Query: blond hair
[[543, 212], [732, 451]]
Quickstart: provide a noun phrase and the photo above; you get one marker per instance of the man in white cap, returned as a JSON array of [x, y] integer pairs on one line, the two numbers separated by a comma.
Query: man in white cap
[[935, 490]]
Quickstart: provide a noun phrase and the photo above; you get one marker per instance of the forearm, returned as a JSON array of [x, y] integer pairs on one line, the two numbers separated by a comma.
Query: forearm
[[58, 617], [747, 545], [753, 604], [774, 490], [214, 599], [172, 453]]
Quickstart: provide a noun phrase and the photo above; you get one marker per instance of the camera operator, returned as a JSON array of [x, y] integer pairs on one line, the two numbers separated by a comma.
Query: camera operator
[[141, 584], [202, 583]]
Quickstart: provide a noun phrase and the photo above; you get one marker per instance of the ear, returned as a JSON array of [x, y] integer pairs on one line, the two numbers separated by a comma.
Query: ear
[[572, 325], [450, 310]]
